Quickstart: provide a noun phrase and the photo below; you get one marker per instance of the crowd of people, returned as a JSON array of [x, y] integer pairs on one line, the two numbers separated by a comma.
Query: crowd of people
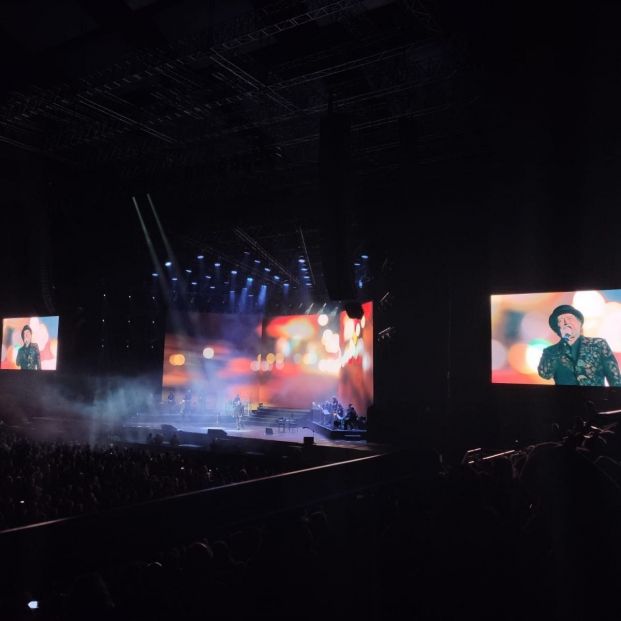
[[532, 533], [42, 480]]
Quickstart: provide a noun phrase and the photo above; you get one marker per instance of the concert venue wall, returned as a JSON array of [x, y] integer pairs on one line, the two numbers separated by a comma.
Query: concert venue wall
[[521, 331], [287, 361], [41, 353]]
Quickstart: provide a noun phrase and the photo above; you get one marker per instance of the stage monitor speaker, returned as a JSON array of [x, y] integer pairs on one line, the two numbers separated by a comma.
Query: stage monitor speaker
[[216, 433], [269, 431], [309, 440]]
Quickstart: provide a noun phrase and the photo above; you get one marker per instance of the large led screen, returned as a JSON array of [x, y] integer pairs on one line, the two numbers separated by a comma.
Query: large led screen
[[287, 361], [562, 338], [356, 378], [300, 361], [30, 343], [209, 360]]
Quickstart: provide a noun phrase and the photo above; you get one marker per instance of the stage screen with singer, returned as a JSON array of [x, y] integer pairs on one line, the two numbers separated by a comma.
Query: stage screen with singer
[[30, 343], [570, 338]]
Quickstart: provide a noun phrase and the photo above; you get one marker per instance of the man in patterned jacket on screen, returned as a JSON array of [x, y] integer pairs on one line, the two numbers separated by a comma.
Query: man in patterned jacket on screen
[[28, 356], [577, 360]]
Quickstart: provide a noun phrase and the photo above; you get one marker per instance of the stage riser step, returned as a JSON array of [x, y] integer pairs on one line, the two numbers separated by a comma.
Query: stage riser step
[[340, 434]]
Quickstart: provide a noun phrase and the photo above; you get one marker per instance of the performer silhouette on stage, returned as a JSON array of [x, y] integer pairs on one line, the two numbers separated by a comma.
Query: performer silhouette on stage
[[351, 417], [238, 411]]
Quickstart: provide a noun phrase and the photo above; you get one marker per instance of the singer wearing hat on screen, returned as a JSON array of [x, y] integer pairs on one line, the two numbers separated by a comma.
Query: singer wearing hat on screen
[[28, 356], [577, 360]]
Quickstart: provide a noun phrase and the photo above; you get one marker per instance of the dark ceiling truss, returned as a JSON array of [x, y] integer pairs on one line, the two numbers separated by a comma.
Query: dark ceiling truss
[[237, 248], [421, 11], [265, 255], [321, 10], [420, 72], [225, 256], [297, 152], [148, 63], [213, 100]]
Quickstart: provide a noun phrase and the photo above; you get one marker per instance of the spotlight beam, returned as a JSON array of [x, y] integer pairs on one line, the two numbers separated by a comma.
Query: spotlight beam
[[308, 262], [168, 248], [156, 263]]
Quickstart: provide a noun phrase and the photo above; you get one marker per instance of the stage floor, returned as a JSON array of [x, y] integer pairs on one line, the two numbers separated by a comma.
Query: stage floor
[[154, 425]]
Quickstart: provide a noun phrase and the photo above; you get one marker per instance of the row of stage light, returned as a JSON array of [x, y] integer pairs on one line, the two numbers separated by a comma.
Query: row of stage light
[[266, 278]]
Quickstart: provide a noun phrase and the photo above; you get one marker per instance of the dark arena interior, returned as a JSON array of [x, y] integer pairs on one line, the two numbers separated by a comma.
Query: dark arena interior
[[310, 308]]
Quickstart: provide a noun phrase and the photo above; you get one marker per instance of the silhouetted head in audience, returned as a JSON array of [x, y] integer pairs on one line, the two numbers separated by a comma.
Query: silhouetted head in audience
[[245, 544], [199, 558], [90, 598]]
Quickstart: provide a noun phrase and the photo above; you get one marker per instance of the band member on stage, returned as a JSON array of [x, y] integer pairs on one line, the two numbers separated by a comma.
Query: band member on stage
[[338, 415], [170, 400], [351, 417], [326, 410], [238, 410], [187, 402]]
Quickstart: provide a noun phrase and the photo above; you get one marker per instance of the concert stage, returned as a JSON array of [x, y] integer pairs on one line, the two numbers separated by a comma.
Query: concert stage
[[200, 430]]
